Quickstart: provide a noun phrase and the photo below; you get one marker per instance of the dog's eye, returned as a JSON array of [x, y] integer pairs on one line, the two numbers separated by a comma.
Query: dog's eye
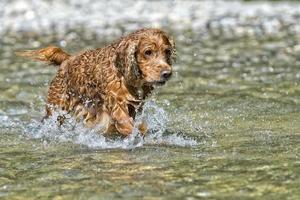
[[168, 51], [148, 52]]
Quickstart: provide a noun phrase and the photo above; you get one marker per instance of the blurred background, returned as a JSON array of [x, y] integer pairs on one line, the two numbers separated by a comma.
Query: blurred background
[[226, 126]]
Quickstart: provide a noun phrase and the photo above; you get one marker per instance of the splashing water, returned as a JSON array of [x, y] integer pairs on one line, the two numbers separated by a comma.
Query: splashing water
[[236, 91], [72, 131]]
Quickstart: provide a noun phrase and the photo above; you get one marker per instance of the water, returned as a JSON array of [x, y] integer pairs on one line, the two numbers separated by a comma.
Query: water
[[226, 126]]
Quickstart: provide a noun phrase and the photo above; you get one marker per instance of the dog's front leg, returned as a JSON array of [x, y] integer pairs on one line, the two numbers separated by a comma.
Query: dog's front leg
[[143, 128], [123, 122]]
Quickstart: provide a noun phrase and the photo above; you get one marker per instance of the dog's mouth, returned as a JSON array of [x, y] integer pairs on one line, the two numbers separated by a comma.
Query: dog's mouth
[[157, 83], [160, 82]]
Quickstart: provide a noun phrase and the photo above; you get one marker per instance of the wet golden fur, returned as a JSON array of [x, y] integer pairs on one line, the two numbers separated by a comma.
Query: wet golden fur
[[106, 86]]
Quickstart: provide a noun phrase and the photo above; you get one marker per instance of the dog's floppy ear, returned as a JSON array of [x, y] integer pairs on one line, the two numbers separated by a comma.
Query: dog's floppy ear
[[126, 61]]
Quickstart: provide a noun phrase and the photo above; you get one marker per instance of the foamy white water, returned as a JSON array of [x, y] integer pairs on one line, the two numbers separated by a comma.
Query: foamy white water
[[75, 132]]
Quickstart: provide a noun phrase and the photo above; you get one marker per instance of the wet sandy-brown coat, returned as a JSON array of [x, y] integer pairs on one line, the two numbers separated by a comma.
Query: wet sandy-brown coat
[[106, 86]]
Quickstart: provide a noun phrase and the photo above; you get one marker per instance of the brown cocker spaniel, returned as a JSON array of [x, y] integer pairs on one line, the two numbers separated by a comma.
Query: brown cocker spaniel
[[106, 87]]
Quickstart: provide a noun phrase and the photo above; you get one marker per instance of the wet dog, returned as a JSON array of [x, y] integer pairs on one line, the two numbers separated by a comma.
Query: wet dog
[[106, 87]]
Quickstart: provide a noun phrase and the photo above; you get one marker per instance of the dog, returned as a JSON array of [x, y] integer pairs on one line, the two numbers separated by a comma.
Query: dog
[[106, 87]]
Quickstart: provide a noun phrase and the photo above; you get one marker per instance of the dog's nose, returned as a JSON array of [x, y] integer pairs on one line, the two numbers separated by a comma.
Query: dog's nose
[[165, 74]]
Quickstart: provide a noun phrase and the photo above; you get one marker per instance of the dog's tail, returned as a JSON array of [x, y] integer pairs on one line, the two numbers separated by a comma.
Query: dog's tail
[[52, 55]]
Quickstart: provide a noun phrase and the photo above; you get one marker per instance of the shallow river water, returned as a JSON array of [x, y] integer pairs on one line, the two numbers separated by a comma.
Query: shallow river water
[[226, 126]]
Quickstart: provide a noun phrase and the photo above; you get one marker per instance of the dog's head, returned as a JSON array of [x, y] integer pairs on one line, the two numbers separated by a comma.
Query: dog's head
[[146, 57]]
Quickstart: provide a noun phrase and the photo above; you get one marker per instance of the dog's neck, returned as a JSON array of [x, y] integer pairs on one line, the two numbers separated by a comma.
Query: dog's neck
[[135, 89], [140, 91]]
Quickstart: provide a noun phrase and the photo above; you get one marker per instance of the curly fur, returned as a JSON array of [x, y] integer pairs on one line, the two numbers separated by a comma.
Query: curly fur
[[106, 86]]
